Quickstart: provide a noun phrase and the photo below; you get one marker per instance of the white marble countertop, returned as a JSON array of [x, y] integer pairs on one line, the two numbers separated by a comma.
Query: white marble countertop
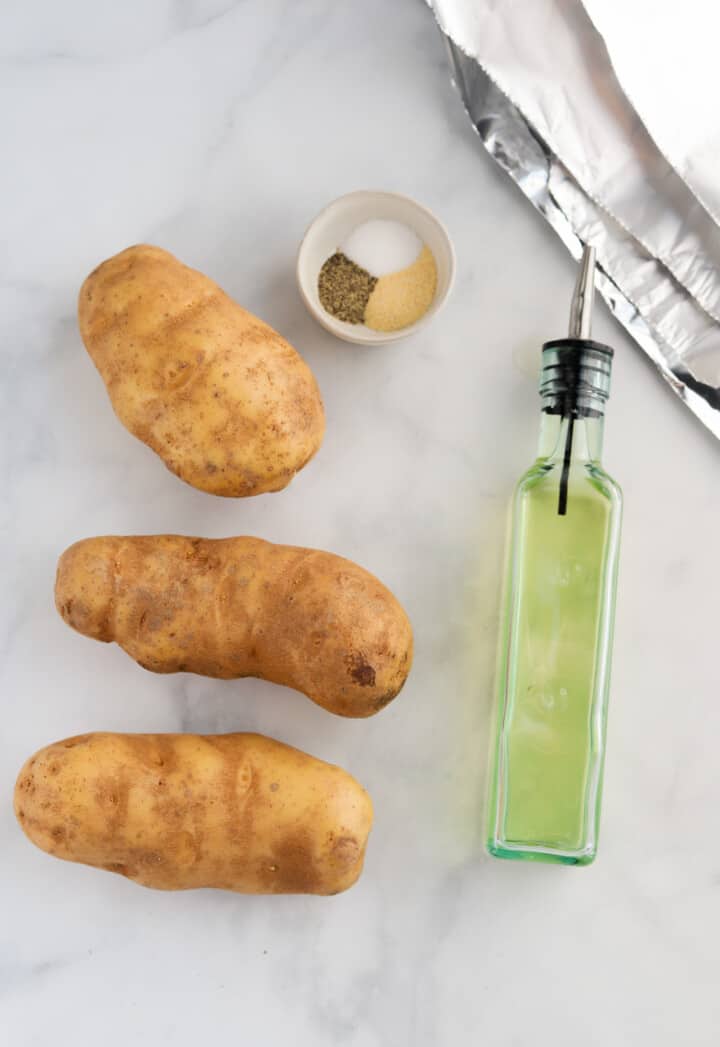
[[217, 130]]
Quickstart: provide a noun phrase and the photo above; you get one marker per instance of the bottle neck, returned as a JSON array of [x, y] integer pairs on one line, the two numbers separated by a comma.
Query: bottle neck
[[587, 438], [574, 386]]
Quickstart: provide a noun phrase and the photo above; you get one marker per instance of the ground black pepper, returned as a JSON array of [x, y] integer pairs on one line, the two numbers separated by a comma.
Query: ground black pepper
[[344, 288]]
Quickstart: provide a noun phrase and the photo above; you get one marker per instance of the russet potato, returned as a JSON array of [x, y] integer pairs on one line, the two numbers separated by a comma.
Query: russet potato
[[228, 404], [174, 811], [236, 607]]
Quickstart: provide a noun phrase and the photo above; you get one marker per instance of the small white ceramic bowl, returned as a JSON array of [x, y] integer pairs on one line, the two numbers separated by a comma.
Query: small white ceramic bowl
[[333, 226]]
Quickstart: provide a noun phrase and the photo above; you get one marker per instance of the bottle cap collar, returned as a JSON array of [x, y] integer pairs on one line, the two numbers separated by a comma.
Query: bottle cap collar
[[575, 376]]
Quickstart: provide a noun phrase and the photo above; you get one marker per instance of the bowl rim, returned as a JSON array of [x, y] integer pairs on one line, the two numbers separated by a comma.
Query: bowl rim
[[327, 321]]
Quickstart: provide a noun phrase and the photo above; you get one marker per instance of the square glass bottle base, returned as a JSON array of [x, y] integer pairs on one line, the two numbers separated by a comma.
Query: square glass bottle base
[[532, 853]]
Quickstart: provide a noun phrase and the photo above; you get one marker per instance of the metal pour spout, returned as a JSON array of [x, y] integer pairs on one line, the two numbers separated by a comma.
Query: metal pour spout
[[580, 327], [582, 301]]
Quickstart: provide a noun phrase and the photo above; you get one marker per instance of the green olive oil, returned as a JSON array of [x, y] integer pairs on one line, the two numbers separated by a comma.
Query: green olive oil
[[556, 637]]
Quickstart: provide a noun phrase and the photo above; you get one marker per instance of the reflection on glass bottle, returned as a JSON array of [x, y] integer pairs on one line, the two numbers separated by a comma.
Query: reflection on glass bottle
[[556, 637]]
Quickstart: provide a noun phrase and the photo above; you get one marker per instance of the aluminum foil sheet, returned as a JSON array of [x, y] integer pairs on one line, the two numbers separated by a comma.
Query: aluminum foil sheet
[[587, 163], [679, 110]]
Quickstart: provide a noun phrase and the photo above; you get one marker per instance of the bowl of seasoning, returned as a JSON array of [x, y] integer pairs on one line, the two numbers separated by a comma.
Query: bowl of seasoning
[[374, 267]]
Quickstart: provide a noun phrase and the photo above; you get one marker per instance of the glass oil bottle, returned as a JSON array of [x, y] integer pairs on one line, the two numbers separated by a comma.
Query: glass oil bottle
[[557, 624]]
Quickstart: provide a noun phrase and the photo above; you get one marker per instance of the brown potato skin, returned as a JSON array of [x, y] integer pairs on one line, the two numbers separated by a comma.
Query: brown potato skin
[[227, 403], [175, 811], [234, 607]]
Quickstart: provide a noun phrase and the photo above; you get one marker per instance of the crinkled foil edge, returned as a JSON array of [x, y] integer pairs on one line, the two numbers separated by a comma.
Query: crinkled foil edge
[[521, 153]]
